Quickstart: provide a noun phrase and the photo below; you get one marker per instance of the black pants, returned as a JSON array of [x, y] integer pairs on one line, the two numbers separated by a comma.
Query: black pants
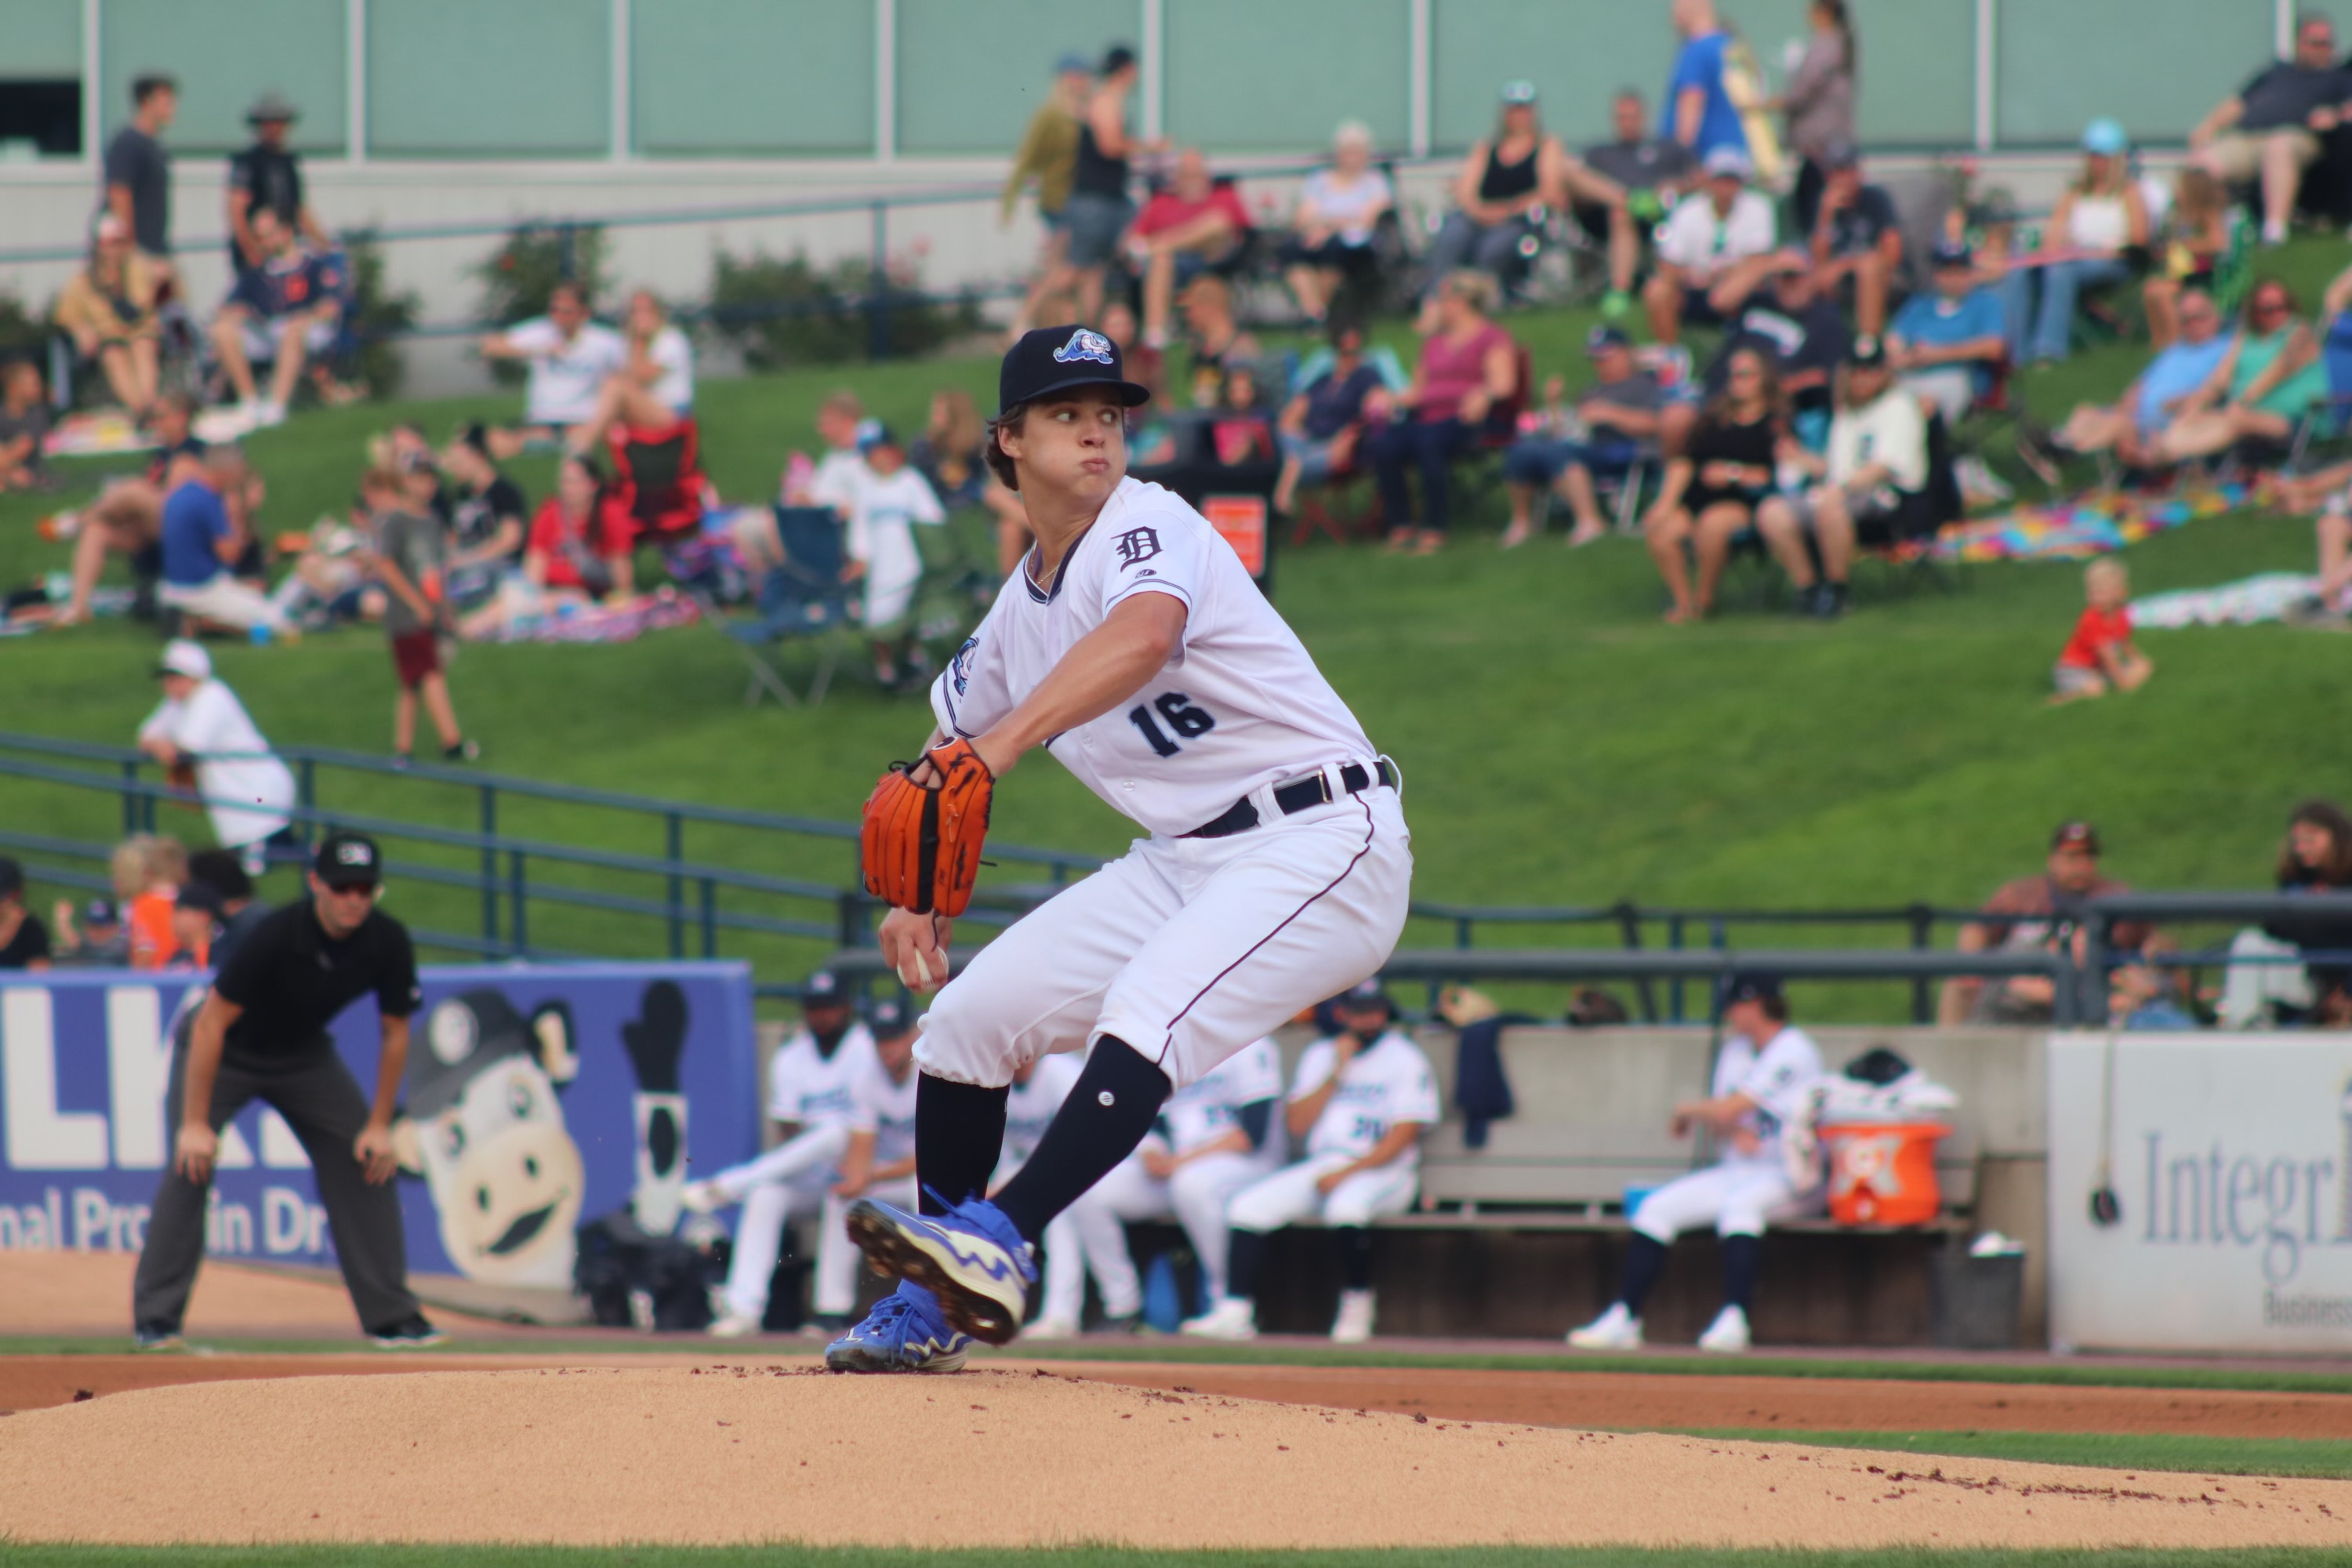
[[322, 1104]]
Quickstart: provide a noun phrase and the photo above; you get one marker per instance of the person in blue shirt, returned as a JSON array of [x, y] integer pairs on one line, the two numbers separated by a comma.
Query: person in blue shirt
[[1946, 344], [1697, 111], [1320, 428], [203, 532], [2130, 426]]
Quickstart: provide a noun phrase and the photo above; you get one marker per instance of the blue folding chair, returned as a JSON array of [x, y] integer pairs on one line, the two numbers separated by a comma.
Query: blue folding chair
[[803, 599]]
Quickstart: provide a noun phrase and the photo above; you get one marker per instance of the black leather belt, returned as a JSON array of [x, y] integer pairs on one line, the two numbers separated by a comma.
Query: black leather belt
[[1295, 796]]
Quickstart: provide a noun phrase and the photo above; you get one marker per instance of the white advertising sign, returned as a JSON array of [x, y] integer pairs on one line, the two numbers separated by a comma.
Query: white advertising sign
[[2230, 1159]]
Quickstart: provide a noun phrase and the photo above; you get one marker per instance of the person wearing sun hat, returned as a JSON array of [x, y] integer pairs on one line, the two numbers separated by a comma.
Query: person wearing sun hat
[[268, 175], [2100, 220]]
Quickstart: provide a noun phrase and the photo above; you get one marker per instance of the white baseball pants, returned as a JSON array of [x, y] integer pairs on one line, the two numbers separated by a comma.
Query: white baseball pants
[[1187, 949], [786, 1183], [1739, 1197], [837, 1256], [1196, 1197], [1288, 1195]]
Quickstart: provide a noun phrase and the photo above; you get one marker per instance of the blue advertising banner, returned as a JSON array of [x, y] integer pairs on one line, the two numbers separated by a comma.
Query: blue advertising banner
[[533, 1098]]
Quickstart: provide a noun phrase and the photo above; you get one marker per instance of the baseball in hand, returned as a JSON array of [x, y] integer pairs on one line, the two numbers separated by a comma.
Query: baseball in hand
[[915, 970]]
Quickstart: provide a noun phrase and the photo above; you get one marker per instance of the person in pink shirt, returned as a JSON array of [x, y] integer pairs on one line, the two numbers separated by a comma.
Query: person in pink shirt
[[1182, 232], [1468, 375]]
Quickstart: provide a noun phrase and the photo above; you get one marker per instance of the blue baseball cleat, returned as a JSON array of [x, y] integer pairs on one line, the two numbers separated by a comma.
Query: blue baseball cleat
[[972, 1257], [904, 1332]]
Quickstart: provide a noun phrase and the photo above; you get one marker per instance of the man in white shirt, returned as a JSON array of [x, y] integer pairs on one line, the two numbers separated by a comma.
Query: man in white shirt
[[1871, 485], [878, 1161], [1131, 644], [1713, 251], [653, 389], [1215, 1136], [570, 358], [1361, 1099], [247, 791], [1763, 1078], [810, 1099]]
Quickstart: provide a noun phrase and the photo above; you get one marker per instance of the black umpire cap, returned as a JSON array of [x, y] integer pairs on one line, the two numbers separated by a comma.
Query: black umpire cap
[[1064, 359], [349, 860]]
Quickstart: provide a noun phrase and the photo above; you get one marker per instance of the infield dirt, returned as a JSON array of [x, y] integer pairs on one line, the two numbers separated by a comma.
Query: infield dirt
[[716, 1452]]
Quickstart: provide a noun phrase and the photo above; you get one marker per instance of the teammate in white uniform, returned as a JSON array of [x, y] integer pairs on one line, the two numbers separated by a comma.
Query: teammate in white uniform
[[1217, 1135], [1133, 645], [1360, 1098], [809, 1099], [1759, 1088], [877, 1161]]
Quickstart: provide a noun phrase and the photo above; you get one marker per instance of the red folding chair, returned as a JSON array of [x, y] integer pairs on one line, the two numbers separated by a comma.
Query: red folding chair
[[658, 480]]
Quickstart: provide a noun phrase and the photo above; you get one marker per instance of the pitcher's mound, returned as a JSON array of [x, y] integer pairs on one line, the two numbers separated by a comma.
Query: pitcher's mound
[[719, 1454]]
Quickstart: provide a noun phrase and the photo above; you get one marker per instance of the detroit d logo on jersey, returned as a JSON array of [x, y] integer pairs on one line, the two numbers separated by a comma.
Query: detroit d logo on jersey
[[1135, 546], [1087, 344]]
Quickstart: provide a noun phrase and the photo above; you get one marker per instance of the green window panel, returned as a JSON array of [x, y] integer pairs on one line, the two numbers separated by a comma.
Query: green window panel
[[44, 39], [1476, 46], [227, 53], [1918, 72], [969, 76], [1280, 75], [456, 78], [752, 77], [2158, 65]]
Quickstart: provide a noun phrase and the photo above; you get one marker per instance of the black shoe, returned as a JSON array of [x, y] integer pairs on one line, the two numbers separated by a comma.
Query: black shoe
[[1809, 600], [158, 1337], [462, 752], [1831, 602], [411, 1333]]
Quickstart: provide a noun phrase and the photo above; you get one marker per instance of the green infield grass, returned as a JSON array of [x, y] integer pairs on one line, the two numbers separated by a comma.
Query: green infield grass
[[1559, 744], [2328, 1458]]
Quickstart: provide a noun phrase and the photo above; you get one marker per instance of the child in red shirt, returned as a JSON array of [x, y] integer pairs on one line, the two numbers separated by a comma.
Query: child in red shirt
[[2101, 654]]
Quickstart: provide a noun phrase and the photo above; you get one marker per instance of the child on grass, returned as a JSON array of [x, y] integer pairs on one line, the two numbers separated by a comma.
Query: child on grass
[[885, 499], [2101, 654], [407, 558]]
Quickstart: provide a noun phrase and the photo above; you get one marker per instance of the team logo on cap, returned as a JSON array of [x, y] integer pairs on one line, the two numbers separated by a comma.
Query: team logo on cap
[[353, 855], [1087, 344]]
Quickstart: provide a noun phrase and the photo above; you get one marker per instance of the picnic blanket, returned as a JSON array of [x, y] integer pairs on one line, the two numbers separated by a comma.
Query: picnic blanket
[[2247, 601], [657, 612], [105, 433], [2078, 528]]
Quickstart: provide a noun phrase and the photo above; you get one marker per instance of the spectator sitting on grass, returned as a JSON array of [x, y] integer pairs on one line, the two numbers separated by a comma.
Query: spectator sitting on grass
[[2269, 129], [831, 481], [889, 499], [2269, 378], [1322, 426], [1714, 250], [1611, 424], [108, 309], [488, 520], [654, 390], [1193, 225], [2316, 858], [2030, 914], [24, 940], [127, 517], [570, 358], [578, 552], [1713, 488], [1332, 226], [2133, 426], [1469, 368], [1213, 339], [1871, 485], [2196, 238], [2099, 218], [24, 425], [205, 532], [947, 453], [2101, 657], [1857, 239], [1946, 342], [1652, 169], [283, 309], [1801, 331]]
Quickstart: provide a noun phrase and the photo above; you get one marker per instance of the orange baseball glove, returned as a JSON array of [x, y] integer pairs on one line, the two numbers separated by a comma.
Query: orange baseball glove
[[921, 841]]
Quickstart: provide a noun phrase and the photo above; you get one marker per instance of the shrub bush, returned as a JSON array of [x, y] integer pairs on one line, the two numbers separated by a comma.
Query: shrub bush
[[525, 269], [791, 312], [378, 317]]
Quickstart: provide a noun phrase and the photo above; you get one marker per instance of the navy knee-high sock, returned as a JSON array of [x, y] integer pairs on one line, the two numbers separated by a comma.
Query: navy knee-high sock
[[1245, 1255], [1741, 1256], [1645, 1260], [959, 1135], [1111, 1108], [1356, 1257]]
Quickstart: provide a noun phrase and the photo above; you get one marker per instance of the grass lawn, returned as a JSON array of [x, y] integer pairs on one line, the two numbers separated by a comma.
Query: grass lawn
[[781, 1556], [1561, 745], [2104, 1450]]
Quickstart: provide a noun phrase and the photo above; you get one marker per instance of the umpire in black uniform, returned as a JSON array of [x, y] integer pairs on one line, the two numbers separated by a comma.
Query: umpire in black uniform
[[262, 1034]]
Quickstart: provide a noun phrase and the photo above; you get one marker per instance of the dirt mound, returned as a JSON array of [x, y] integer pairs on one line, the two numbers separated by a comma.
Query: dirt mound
[[715, 1454]]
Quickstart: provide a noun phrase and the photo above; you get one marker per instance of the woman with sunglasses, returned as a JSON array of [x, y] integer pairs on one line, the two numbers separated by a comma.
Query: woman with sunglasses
[[1713, 490], [2270, 378]]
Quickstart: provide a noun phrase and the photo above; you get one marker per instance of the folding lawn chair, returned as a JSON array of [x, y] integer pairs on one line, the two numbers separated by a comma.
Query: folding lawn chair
[[803, 599]]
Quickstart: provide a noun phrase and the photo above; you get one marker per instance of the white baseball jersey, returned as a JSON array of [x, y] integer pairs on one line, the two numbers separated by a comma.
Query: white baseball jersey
[[1239, 705], [885, 1105], [1208, 1108], [1777, 1078], [1029, 1109], [1387, 1082], [813, 1090]]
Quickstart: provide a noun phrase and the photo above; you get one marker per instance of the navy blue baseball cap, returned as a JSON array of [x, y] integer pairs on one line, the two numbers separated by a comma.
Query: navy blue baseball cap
[[1365, 995], [1064, 359], [1602, 339], [890, 1019], [822, 987], [1751, 988]]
